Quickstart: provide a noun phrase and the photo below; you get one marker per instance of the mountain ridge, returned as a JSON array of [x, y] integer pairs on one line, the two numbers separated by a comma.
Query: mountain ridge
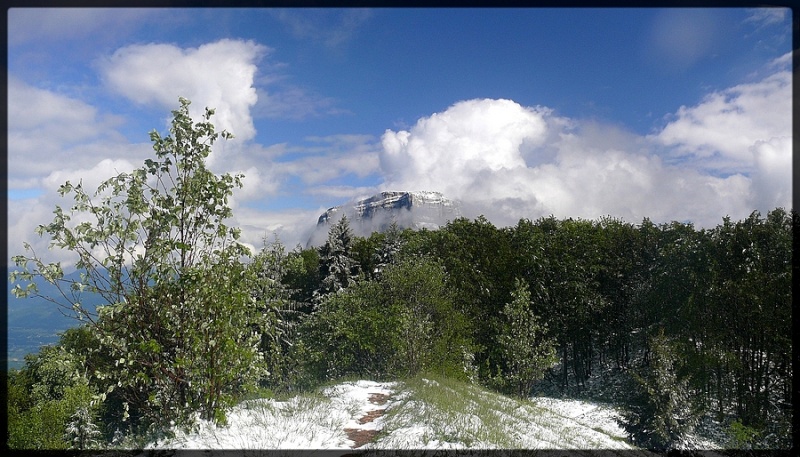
[[408, 209]]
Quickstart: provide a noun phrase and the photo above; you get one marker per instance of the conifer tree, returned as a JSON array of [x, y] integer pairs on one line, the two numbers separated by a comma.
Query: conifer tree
[[337, 267], [660, 412]]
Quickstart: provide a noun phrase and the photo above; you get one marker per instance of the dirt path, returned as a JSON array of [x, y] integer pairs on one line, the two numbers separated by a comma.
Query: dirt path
[[360, 436]]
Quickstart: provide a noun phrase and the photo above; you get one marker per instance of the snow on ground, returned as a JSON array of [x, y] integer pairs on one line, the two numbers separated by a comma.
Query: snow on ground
[[303, 422], [592, 415], [462, 416], [451, 416]]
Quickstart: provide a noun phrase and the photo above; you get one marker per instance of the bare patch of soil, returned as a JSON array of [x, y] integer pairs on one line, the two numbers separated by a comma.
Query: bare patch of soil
[[371, 416], [361, 437], [378, 399]]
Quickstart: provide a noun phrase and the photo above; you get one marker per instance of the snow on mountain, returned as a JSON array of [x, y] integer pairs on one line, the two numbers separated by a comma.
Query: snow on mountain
[[416, 210]]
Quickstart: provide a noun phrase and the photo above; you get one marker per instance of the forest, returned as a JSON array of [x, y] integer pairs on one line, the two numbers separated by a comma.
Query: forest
[[674, 322]]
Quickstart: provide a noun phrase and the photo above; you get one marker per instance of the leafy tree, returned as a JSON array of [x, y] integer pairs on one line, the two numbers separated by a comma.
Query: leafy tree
[[180, 324], [398, 325], [433, 334], [42, 398], [527, 351]]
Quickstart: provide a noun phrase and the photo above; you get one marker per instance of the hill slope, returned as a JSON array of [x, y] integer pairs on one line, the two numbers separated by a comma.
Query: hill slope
[[413, 414]]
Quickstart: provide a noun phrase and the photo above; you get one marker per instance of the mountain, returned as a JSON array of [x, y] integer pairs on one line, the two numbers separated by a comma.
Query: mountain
[[415, 210], [34, 322]]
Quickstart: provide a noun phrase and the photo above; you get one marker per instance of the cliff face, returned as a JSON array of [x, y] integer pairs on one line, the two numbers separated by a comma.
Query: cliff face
[[414, 210]]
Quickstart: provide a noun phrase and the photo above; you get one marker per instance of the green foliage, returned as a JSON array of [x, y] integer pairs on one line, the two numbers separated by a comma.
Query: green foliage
[[526, 349], [280, 312], [660, 411], [434, 334], [742, 436], [400, 324], [44, 396], [337, 266], [181, 330]]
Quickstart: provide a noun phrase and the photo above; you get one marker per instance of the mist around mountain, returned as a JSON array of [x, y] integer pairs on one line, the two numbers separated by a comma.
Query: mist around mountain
[[414, 210]]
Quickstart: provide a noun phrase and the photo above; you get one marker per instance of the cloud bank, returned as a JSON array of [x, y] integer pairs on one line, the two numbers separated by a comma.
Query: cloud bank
[[727, 155]]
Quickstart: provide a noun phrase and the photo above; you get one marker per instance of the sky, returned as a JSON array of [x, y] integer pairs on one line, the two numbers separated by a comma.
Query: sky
[[670, 114]]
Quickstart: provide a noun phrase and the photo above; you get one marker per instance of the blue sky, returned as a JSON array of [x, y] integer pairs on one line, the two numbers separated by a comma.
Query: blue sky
[[672, 114]]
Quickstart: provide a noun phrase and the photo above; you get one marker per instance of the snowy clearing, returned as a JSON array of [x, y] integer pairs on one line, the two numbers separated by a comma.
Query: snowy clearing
[[303, 422], [416, 414]]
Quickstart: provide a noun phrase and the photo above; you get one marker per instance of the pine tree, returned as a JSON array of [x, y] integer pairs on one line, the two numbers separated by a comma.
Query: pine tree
[[389, 248], [660, 412], [81, 431], [337, 267]]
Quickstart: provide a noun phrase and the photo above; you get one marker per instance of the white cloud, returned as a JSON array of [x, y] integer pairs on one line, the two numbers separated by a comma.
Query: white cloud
[[332, 27], [679, 37], [772, 182], [51, 24], [720, 131], [91, 178], [217, 75], [294, 102], [293, 226], [447, 151], [45, 128], [25, 215], [509, 162], [332, 157], [763, 17]]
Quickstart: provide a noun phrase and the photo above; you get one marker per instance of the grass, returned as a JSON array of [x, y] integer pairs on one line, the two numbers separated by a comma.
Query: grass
[[449, 413], [424, 412], [445, 413]]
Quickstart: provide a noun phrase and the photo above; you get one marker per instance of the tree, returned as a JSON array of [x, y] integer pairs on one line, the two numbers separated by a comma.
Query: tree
[[180, 324], [433, 334], [526, 349], [43, 398], [660, 412], [274, 299], [398, 325], [337, 267], [81, 431]]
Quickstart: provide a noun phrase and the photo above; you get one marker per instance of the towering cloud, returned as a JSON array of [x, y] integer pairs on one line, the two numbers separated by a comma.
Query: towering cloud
[[451, 151], [218, 75], [728, 155]]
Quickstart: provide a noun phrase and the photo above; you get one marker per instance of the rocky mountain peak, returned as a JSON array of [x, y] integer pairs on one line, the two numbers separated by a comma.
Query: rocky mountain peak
[[416, 210]]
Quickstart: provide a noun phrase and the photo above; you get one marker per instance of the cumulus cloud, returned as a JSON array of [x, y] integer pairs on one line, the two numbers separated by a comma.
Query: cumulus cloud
[[507, 161], [720, 131], [447, 151], [772, 182], [218, 75]]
